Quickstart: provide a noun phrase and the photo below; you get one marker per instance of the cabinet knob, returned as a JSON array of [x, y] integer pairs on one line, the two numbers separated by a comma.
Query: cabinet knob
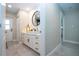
[[37, 37]]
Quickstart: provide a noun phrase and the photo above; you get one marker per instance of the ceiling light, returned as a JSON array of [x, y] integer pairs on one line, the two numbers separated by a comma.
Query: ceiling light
[[10, 6]]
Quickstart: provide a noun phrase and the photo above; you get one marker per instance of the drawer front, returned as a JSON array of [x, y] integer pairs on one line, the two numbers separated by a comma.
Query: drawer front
[[37, 37], [37, 43], [36, 46]]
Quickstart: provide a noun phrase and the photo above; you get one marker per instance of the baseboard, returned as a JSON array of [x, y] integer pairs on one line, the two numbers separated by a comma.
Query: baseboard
[[54, 50], [73, 42]]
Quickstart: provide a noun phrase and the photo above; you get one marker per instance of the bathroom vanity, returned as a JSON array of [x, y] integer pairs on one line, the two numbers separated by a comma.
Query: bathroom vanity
[[31, 37], [32, 40]]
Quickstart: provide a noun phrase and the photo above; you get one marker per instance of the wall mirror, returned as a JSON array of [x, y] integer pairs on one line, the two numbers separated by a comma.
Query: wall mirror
[[36, 18]]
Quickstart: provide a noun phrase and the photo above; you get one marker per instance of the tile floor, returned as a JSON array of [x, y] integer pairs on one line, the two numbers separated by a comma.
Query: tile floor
[[20, 50], [67, 49]]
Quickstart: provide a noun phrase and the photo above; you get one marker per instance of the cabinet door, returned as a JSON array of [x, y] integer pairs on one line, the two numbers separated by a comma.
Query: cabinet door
[[27, 40], [32, 41]]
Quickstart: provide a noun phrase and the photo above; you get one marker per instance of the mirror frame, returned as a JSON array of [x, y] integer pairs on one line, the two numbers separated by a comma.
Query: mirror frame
[[38, 22]]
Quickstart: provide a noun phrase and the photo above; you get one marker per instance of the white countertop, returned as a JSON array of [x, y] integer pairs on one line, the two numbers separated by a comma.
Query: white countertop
[[31, 33]]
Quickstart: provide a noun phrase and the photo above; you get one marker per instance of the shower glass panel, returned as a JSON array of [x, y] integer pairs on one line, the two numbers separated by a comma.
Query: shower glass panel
[[71, 33], [71, 27]]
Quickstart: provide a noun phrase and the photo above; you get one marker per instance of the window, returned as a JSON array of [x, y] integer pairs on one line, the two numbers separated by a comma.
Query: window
[[7, 24]]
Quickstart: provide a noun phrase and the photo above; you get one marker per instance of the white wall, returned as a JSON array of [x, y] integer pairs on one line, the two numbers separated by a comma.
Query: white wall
[[42, 27], [23, 18], [52, 30], [50, 26], [22, 22]]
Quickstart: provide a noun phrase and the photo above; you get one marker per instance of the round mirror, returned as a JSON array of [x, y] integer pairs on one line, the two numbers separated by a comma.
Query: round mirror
[[36, 18]]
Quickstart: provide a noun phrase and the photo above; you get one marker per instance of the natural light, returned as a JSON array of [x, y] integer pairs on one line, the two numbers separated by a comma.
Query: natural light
[[7, 24]]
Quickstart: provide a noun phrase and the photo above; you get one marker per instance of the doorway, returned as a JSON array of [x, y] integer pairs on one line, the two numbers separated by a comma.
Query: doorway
[[8, 30]]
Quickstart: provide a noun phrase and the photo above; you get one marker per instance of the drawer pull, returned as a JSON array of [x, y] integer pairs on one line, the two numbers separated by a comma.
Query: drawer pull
[[36, 42], [36, 48], [37, 37]]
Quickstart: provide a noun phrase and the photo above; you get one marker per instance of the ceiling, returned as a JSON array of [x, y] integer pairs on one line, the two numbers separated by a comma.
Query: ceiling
[[68, 6], [17, 6]]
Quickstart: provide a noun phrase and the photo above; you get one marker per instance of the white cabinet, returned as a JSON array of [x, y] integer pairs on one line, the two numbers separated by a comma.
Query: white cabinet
[[31, 40]]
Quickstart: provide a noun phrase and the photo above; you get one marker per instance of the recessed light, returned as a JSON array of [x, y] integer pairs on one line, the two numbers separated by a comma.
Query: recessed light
[[10, 6]]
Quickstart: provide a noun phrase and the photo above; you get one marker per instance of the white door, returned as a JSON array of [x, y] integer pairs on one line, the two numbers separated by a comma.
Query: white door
[[8, 29]]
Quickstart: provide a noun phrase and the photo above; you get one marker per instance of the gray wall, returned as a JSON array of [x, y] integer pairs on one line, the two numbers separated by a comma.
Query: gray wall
[[52, 27], [71, 25]]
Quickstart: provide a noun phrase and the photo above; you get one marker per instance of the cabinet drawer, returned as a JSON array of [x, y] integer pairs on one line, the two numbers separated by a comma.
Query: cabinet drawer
[[36, 46]]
